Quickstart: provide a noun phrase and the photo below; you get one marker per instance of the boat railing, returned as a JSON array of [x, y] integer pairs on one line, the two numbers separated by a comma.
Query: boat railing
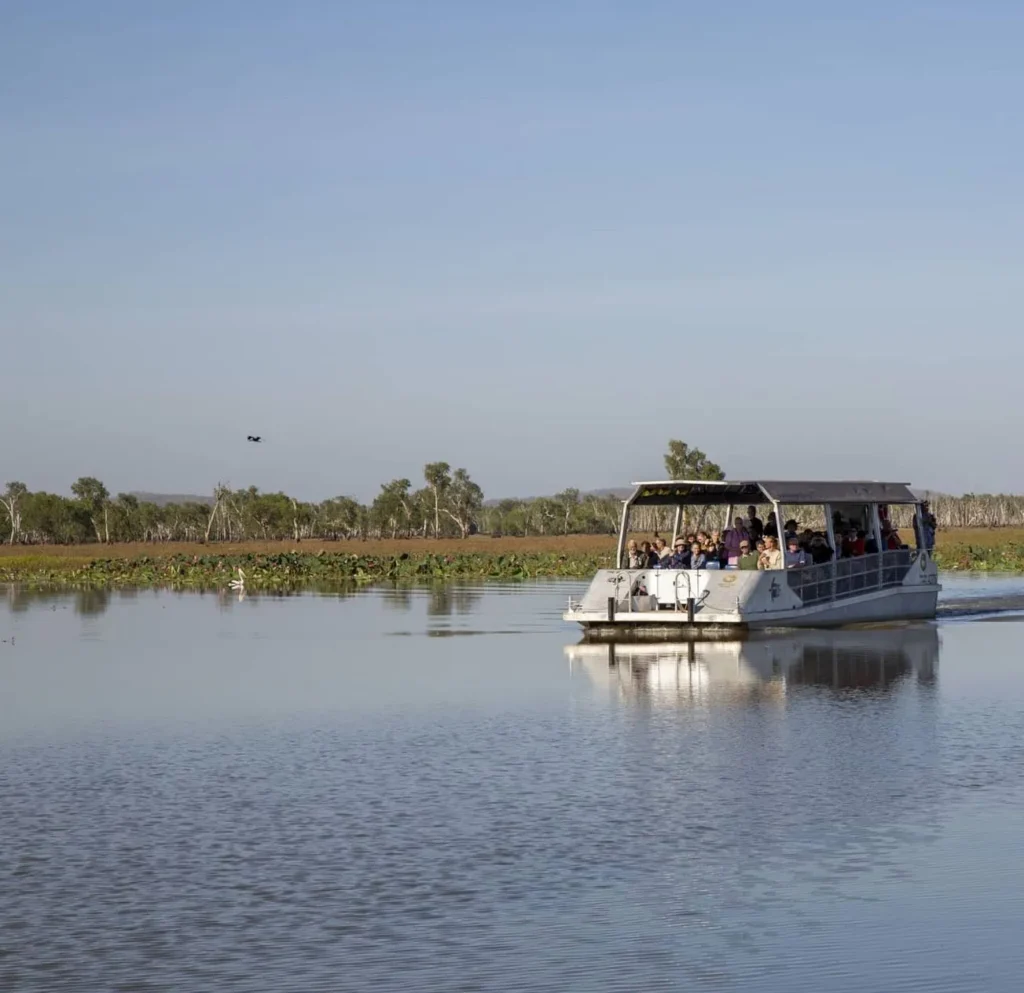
[[844, 578]]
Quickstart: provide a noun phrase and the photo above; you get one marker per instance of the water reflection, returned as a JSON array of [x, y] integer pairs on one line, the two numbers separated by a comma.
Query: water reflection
[[91, 602], [447, 600], [442, 601], [763, 667]]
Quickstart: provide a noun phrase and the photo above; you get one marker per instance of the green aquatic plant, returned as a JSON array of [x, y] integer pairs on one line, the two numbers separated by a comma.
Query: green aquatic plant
[[291, 570]]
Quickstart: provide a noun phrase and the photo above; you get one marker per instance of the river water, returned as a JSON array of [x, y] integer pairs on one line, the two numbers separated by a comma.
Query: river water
[[440, 790]]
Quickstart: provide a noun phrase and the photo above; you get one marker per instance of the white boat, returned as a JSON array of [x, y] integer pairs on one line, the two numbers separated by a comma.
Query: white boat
[[667, 604]]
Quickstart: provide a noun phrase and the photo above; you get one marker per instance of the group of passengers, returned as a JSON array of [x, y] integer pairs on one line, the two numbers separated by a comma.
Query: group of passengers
[[752, 544]]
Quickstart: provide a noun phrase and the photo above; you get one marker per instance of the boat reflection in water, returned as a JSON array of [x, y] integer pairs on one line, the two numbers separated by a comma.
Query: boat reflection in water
[[761, 667]]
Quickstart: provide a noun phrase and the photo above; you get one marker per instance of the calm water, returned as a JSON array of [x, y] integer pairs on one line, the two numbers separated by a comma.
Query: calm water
[[442, 791]]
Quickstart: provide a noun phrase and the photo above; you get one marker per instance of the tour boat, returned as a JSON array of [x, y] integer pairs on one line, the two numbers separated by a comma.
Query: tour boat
[[666, 603]]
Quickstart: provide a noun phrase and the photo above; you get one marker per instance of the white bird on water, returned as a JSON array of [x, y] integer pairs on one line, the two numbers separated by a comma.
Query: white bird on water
[[239, 584]]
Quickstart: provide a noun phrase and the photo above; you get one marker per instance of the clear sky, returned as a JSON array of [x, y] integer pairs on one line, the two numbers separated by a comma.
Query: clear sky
[[534, 239]]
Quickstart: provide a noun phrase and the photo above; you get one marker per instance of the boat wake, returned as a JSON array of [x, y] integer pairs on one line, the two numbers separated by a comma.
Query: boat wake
[[978, 608]]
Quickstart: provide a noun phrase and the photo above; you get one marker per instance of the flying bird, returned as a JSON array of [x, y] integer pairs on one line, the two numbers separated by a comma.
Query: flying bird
[[254, 437]]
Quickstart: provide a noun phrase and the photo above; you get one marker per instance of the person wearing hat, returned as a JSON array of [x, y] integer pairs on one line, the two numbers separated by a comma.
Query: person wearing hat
[[680, 558], [796, 557], [748, 556]]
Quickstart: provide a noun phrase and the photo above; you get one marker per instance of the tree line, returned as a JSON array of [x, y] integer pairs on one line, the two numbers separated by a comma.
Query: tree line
[[448, 504]]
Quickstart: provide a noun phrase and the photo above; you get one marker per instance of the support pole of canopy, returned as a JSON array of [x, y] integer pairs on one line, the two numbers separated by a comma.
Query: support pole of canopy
[[780, 538], [876, 530], [830, 531], [622, 534], [675, 525]]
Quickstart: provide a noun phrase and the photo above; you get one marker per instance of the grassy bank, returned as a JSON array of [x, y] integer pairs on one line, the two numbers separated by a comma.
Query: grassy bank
[[284, 565]]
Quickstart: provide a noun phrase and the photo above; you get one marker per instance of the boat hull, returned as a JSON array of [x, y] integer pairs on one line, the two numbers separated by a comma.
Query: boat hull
[[717, 604]]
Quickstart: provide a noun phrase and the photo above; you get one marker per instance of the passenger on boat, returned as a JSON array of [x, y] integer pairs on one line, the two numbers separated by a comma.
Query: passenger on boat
[[754, 524], [860, 543], [650, 555], [926, 524], [661, 547], [791, 528], [680, 558], [772, 527], [635, 559], [748, 559], [697, 557], [734, 537], [720, 550], [891, 537], [771, 557], [796, 557], [712, 558], [819, 549]]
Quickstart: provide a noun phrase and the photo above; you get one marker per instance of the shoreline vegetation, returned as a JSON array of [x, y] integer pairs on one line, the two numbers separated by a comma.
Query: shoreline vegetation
[[289, 565], [442, 531]]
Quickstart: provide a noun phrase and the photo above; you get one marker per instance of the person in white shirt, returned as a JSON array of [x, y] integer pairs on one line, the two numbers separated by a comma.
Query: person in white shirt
[[771, 557]]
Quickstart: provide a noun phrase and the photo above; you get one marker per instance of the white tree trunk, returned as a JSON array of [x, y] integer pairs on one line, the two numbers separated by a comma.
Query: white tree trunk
[[213, 515]]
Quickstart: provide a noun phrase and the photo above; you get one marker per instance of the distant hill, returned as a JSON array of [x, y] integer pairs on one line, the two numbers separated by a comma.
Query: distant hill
[[163, 499]]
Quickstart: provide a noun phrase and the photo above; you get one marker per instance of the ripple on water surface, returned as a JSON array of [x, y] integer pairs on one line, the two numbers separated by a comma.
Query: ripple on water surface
[[320, 793]]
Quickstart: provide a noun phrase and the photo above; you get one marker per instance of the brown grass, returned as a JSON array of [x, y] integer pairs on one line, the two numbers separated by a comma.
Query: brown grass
[[567, 544]]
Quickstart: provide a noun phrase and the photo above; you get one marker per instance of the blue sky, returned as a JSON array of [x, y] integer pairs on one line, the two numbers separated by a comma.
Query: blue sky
[[533, 239]]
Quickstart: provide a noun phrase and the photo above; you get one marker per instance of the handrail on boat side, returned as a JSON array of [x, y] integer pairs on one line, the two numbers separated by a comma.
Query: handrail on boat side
[[842, 578]]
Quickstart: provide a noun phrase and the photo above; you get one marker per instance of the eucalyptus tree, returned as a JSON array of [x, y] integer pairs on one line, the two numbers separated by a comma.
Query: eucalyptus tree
[[11, 500], [95, 498], [342, 516], [47, 517], [220, 494], [438, 476], [464, 498], [684, 462], [568, 502], [390, 510], [421, 511], [126, 512]]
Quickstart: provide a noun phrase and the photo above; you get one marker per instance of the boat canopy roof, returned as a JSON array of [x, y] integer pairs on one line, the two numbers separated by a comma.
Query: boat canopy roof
[[682, 492]]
